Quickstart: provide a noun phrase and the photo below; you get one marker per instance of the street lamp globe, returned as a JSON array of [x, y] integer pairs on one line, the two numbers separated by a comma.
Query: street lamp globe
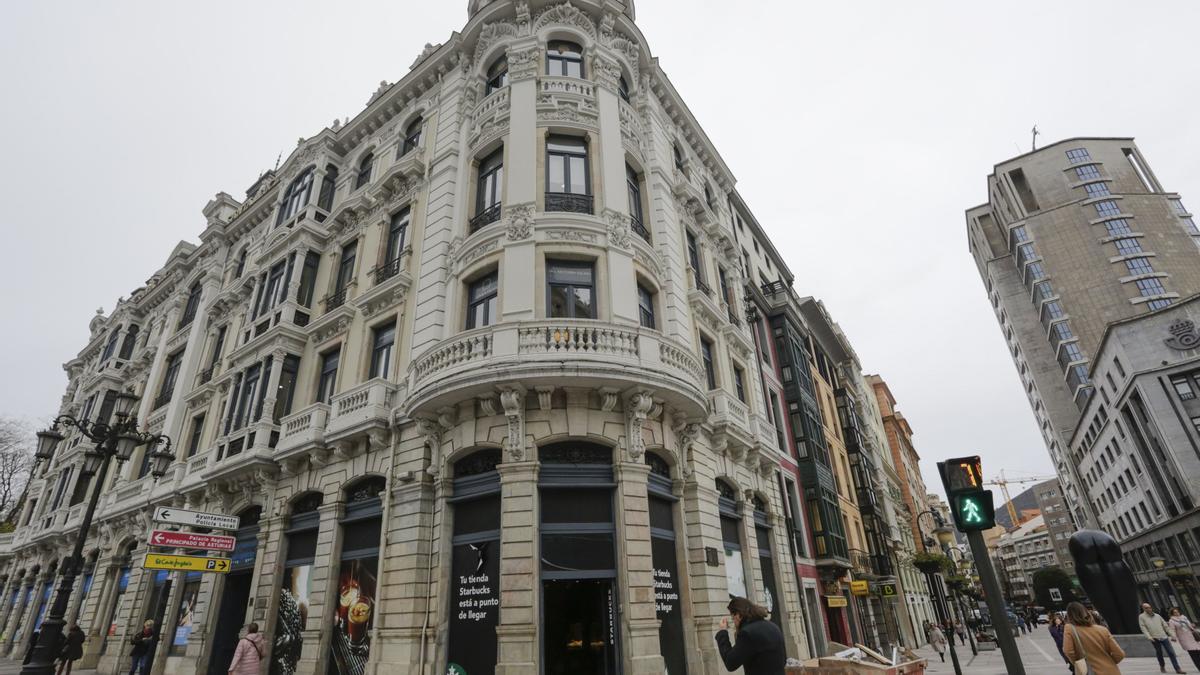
[[92, 459], [160, 461], [124, 404], [47, 441], [127, 442]]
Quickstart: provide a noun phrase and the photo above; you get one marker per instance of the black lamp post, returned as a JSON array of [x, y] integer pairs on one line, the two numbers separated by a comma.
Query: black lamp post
[[118, 439], [935, 588], [958, 601]]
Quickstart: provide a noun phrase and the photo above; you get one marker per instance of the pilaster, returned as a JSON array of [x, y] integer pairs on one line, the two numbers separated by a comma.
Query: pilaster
[[517, 633]]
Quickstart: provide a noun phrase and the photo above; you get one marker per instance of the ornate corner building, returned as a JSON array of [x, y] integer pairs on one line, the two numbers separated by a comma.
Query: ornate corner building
[[500, 374]]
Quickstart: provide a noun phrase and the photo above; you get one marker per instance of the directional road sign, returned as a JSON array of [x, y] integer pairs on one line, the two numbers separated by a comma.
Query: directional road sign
[[187, 563], [206, 542], [218, 521]]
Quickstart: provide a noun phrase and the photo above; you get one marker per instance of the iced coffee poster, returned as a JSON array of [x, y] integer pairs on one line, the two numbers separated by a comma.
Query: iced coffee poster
[[293, 617], [355, 602]]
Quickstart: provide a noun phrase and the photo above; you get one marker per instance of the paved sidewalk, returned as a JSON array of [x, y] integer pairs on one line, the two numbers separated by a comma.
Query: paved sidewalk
[[1039, 656]]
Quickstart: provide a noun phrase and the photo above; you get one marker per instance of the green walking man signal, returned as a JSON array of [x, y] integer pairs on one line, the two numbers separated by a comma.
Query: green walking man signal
[[973, 508]]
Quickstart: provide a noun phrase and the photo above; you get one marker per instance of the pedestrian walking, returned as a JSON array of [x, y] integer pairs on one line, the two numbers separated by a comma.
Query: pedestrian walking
[[1056, 632], [143, 649], [1085, 641], [759, 648], [1156, 630], [1021, 624], [249, 653], [938, 641], [961, 631], [1185, 633], [72, 649]]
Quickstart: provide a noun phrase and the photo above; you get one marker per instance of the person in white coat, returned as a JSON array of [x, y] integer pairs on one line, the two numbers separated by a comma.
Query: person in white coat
[[1185, 634], [937, 640]]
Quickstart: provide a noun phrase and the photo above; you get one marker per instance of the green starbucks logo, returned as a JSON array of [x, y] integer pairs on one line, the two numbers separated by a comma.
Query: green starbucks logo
[[455, 669]]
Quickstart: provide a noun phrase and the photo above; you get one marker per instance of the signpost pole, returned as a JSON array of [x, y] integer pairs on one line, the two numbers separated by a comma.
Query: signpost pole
[[995, 603]]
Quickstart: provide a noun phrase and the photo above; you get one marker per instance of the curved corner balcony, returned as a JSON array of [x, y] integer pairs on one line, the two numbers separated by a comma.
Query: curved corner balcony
[[556, 353]]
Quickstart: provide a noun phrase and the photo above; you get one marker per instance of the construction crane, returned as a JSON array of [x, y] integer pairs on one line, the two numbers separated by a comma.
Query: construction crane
[[1003, 482]]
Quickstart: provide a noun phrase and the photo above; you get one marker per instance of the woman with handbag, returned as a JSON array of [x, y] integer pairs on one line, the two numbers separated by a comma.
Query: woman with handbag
[[1091, 648], [1186, 633]]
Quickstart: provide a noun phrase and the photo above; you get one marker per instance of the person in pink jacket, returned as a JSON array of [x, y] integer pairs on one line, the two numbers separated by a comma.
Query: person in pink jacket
[[249, 654], [1185, 633]]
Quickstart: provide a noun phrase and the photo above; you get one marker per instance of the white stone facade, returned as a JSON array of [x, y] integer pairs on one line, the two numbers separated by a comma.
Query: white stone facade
[[311, 360]]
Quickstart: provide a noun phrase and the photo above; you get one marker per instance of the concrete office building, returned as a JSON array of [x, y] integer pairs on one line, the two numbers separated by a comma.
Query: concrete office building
[[1075, 236], [491, 378], [1082, 252], [1022, 552], [1060, 525]]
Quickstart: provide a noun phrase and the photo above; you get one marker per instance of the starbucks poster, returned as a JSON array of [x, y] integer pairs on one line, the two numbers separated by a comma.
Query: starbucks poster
[[294, 599]]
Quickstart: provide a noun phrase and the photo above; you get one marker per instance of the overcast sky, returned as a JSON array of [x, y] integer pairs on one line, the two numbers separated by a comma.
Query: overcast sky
[[858, 132]]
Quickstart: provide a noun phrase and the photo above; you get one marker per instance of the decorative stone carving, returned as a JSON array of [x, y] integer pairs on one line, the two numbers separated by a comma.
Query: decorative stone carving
[[487, 405], [573, 235], [478, 252], [523, 17], [606, 71], [618, 228], [431, 432], [545, 397], [489, 35], [637, 410], [608, 398], [523, 65], [519, 221], [514, 412], [428, 51], [568, 111], [1183, 335], [568, 15]]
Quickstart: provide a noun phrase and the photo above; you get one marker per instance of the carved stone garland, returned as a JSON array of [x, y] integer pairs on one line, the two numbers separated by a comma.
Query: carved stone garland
[[513, 402], [637, 411]]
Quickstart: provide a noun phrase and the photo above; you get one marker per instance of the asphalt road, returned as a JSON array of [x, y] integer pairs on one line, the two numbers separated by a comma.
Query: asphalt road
[[1040, 657]]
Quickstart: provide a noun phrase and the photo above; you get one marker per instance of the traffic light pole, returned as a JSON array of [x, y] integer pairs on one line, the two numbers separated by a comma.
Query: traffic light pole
[[995, 603]]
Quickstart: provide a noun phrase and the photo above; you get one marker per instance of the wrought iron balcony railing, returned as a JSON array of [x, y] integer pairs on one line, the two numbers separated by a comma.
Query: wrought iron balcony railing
[[484, 218], [568, 202], [387, 270], [640, 230], [336, 299]]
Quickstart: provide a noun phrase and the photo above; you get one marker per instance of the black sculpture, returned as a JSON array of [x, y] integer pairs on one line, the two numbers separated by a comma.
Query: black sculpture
[[1107, 579]]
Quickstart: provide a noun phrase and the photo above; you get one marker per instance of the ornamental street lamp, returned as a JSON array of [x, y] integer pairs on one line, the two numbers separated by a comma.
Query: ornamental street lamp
[[113, 440], [935, 587]]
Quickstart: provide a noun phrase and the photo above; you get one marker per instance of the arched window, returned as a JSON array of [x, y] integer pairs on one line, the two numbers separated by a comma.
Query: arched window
[[241, 262], [731, 537], [412, 136], [564, 58], [328, 186], [497, 75], [296, 196], [623, 88], [364, 170], [192, 306], [295, 592], [663, 552], [488, 186], [475, 561]]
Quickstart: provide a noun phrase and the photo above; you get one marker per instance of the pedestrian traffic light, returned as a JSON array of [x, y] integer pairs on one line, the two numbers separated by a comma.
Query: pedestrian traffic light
[[972, 505], [974, 511]]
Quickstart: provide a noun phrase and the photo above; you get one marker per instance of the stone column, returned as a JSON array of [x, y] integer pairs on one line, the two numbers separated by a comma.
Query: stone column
[[707, 585], [622, 301], [92, 620], [520, 297], [636, 569], [517, 633], [411, 585], [324, 587], [263, 438]]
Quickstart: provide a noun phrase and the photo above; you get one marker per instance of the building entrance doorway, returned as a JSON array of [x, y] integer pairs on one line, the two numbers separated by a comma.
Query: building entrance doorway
[[230, 617], [580, 627]]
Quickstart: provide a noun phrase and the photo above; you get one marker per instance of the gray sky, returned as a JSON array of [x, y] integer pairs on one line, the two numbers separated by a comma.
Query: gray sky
[[859, 132]]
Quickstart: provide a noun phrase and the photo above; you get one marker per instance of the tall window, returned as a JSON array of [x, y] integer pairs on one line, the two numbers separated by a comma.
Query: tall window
[[241, 263], [645, 306], [329, 368], [694, 259], [567, 179], [285, 393], [623, 88], [245, 395], [706, 355], [194, 437], [725, 295], [296, 196], [570, 289], [273, 288], [129, 342], [564, 58], [739, 383], [111, 345], [193, 304], [308, 278], [169, 376], [364, 170], [487, 190], [633, 188], [328, 186], [383, 341], [412, 136], [346, 265], [481, 301], [497, 75], [397, 231]]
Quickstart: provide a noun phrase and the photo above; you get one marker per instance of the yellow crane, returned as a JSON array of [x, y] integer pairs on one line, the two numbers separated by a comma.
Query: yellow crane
[[1003, 482]]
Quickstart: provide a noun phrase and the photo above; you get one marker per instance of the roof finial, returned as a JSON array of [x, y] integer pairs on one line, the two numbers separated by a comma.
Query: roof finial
[[1035, 135]]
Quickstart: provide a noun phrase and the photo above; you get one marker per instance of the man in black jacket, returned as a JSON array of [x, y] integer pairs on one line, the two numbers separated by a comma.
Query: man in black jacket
[[759, 647]]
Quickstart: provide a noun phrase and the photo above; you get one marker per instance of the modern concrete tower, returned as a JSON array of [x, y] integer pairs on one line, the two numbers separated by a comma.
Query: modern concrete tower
[[1078, 240]]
